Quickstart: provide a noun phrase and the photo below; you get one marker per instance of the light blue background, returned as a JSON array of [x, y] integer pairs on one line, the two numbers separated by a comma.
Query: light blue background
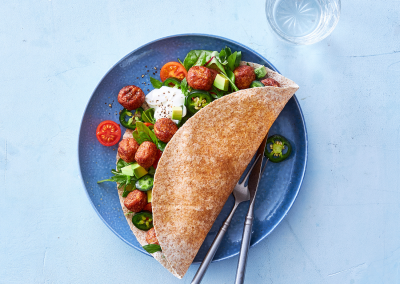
[[344, 226]]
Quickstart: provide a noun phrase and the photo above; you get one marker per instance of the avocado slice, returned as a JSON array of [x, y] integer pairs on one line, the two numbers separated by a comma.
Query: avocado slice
[[221, 82], [177, 113], [149, 196], [260, 72], [138, 170], [128, 171]]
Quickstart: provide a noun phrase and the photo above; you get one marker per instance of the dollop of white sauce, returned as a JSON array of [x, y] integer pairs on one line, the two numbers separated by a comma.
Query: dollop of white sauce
[[164, 99]]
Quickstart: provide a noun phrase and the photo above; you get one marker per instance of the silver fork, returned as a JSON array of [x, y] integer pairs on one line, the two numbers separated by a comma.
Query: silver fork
[[241, 193]]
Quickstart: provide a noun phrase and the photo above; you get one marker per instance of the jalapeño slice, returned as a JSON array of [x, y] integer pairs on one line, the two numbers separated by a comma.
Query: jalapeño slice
[[197, 99], [143, 221], [145, 183], [278, 148], [172, 82], [131, 122]]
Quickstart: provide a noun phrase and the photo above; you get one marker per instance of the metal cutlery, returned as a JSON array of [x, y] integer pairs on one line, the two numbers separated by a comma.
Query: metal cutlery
[[248, 224], [241, 193]]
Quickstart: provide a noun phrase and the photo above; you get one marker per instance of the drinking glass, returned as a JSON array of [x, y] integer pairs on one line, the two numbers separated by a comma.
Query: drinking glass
[[303, 21]]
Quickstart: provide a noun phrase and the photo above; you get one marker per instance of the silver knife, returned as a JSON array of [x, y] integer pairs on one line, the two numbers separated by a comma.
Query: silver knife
[[248, 224]]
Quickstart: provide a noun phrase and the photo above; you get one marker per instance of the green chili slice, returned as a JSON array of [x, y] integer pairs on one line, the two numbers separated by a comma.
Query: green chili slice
[[197, 100], [172, 82], [130, 123], [278, 148], [143, 221], [145, 183]]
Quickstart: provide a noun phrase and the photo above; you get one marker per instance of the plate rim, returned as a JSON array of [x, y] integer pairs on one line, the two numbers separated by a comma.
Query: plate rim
[[304, 169]]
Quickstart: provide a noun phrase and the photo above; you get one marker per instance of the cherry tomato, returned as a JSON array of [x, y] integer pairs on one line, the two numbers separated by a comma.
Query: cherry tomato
[[108, 133], [158, 156], [174, 70], [148, 207], [147, 124]]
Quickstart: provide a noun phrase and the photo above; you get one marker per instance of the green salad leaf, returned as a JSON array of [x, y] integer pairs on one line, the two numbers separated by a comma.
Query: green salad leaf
[[184, 87], [151, 171], [201, 60], [156, 84], [143, 133], [138, 114], [152, 248], [224, 54], [127, 182], [222, 57], [215, 64], [148, 116], [161, 145], [140, 137], [193, 56], [217, 93], [238, 59], [121, 163], [231, 77], [232, 61]]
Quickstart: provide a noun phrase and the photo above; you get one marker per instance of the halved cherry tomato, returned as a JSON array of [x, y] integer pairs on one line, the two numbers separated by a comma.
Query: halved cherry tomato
[[108, 133], [174, 70], [158, 156], [147, 124], [148, 207]]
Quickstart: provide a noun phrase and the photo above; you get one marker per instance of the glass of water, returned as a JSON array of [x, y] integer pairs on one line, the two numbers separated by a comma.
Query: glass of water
[[303, 21]]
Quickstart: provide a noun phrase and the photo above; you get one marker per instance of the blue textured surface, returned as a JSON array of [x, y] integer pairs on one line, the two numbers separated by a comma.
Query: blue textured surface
[[344, 224], [279, 185]]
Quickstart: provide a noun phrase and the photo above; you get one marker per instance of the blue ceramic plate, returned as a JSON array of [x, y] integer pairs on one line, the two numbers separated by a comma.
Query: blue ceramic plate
[[279, 184]]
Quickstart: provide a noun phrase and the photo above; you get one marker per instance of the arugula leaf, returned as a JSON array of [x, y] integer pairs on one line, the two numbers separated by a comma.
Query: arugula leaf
[[192, 57], [184, 87], [156, 84], [152, 248], [120, 178], [127, 182]]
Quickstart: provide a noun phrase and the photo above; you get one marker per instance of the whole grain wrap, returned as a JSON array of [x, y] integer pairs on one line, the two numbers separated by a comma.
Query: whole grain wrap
[[201, 165]]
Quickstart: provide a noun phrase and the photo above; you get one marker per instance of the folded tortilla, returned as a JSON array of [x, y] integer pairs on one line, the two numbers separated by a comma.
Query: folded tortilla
[[201, 165]]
